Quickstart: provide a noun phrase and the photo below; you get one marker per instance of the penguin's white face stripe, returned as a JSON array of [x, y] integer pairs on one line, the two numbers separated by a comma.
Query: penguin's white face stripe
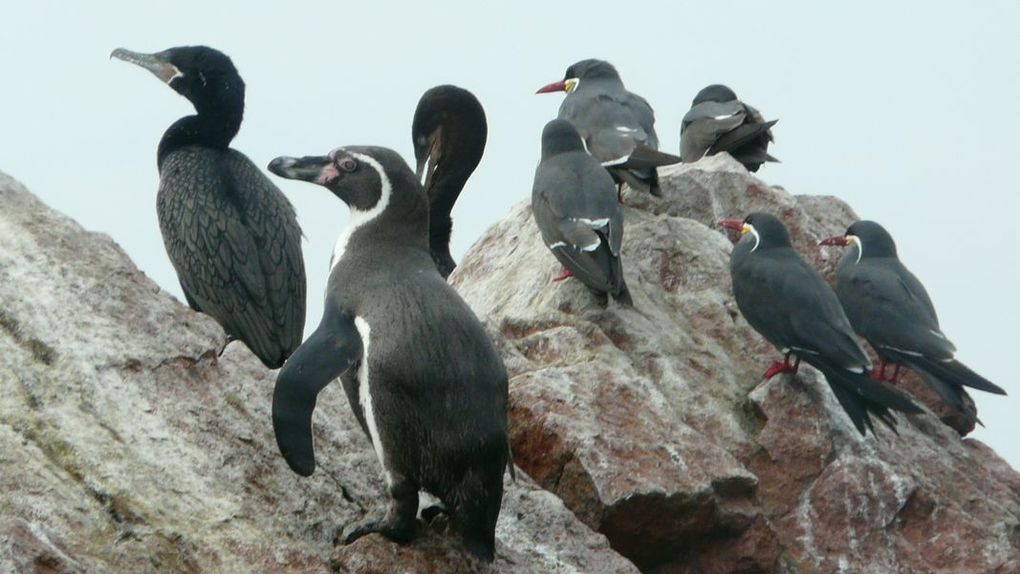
[[558, 244], [365, 395], [860, 246], [360, 218]]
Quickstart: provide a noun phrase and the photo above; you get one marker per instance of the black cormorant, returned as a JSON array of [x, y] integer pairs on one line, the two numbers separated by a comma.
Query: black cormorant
[[232, 236]]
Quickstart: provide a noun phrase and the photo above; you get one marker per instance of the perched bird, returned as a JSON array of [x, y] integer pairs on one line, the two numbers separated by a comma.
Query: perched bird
[[575, 207], [420, 372], [232, 236], [617, 126], [889, 307], [719, 122], [789, 304], [448, 133]]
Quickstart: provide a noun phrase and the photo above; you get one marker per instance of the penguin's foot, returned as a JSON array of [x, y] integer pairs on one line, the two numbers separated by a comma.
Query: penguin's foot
[[785, 367], [429, 513], [399, 531], [564, 274], [400, 523]]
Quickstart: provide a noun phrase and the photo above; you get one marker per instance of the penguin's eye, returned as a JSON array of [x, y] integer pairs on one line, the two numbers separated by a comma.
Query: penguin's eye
[[347, 164]]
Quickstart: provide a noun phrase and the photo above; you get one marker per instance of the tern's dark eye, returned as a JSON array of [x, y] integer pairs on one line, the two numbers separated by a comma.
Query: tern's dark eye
[[347, 164]]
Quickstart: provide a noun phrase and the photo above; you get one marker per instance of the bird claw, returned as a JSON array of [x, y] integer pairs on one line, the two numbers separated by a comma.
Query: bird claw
[[781, 367], [394, 530]]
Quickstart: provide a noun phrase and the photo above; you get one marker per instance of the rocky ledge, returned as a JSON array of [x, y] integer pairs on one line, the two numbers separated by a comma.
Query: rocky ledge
[[128, 443], [654, 427]]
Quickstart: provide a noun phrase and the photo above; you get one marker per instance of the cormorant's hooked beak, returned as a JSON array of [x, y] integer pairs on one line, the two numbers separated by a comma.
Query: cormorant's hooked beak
[[314, 169], [567, 85], [735, 224], [838, 240], [427, 156], [155, 63]]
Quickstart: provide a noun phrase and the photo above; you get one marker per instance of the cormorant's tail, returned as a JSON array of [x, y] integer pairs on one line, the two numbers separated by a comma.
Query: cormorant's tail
[[861, 396]]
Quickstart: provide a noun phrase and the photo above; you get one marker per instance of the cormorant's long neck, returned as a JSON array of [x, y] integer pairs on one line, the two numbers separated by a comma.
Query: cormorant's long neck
[[212, 127], [447, 182]]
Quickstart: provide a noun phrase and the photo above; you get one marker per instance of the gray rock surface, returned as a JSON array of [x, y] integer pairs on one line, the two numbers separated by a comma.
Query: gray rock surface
[[128, 445], [653, 426]]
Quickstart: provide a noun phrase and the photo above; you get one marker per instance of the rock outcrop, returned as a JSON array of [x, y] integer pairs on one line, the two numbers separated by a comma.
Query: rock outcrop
[[645, 437], [653, 426], [128, 444]]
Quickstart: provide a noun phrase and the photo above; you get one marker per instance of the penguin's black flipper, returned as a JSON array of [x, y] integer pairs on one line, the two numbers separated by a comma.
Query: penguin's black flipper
[[332, 349]]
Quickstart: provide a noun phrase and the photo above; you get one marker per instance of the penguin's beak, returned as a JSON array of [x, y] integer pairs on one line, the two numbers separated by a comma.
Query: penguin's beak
[[158, 63], [314, 169], [838, 240]]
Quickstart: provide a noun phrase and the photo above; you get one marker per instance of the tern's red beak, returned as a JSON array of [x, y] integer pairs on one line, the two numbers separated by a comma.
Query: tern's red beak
[[839, 240], [553, 87], [733, 223]]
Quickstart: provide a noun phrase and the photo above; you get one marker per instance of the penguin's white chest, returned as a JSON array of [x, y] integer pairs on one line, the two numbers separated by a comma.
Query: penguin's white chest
[[368, 409]]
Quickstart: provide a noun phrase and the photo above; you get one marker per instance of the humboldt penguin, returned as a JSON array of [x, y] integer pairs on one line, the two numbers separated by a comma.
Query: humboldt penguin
[[232, 236], [421, 374], [575, 207], [888, 306], [448, 133], [617, 126], [788, 303], [719, 122]]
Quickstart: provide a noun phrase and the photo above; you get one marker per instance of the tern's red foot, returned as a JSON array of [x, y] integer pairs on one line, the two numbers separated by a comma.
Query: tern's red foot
[[777, 367], [895, 374], [785, 367], [564, 274], [878, 374]]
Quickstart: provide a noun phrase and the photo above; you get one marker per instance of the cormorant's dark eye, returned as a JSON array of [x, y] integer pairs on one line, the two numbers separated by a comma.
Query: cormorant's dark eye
[[347, 164]]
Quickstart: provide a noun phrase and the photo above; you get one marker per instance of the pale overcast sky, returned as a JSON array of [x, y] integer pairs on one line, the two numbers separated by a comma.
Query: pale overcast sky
[[905, 110]]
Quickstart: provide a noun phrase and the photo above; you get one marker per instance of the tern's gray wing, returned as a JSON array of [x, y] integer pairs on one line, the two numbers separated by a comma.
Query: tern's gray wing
[[794, 308], [890, 307]]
